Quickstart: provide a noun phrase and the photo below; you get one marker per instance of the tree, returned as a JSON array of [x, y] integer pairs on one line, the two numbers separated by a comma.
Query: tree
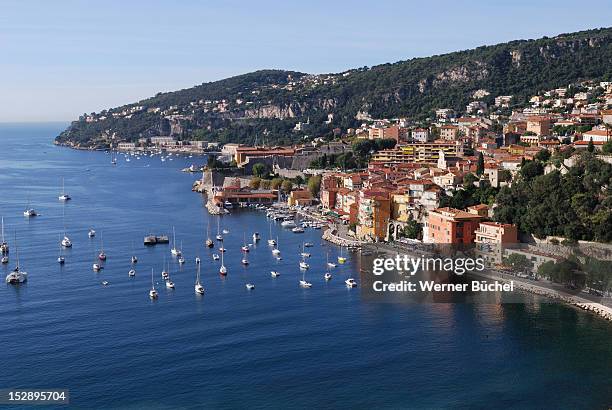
[[413, 229], [287, 185], [298, 180], [607, 147], [518, 262], [505, 175], [543, 155], [480, 164], [255, 183], [265, 184], [276, 183], [260, 170], [531, 169], [469, 179], [314, 185], [591, 147]]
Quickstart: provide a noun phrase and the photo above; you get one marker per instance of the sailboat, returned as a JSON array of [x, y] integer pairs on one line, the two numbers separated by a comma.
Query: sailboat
[[29, 212], [327, 275], [244, 260], [60, 259], [134, 259], [275, 274], [304, 254], [350, 282], [132, 273], [304, 283], [276, 251], [16, 276], [199, 289], [152, 292], [256, 237], [341, 259], [66, 243], [271, 240], [165, 275], [113, 158], [209, 242], [222, 269], [303, 264], [63, 195], [101, 255], [174, 251], [219, 236], [181, 259], [244, 248], [4, 248]]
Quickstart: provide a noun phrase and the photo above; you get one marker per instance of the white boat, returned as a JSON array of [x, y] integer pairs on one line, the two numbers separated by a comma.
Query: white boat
[[66, 243], [209, 242], [132, 273], [152, 292], [250, 286], [308, 244], [181, 260], [288, 224], [304, 283], [244, 261], [275, 274], [29, 213], [222, 269], [101, 255], [199, 289], [215, 257], [105, 283], [197, 260], [297, 229], [4, 248], [96, 267], [174, 251], [134, 260], [91, 233], [219, 237], [276, 251], [331, 264], [271, 242], [350, 282], [256, 237], [169, 284], [222, 249], [327, 276], [225, 232], [304, 265], [63, 195], [17, 276], [4, 260]]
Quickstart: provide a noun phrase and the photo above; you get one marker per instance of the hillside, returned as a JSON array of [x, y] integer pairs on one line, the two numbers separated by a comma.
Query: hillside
[[269, 103]]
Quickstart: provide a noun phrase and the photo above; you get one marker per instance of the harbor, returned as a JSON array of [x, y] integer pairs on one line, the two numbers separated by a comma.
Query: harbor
[[66, 314]]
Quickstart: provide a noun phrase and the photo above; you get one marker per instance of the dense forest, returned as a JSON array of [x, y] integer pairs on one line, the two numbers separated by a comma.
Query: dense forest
[[269, 103]]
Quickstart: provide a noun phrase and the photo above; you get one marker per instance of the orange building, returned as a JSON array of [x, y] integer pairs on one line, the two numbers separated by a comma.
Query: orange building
[[373, 214], [450, 226], [495, 232]]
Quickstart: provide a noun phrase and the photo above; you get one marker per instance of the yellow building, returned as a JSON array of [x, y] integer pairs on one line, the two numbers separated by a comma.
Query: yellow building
[[419, 152]]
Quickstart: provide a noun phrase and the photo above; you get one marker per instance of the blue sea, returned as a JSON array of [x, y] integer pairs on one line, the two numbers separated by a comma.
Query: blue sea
[[276, 346]]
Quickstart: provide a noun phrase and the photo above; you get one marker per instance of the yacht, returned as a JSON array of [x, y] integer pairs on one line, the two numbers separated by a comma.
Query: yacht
[[199, 289], [29, 212], [152, 292], [256, 237], [297, 229], [304, 283], [4, 248], [275, 274], [132, 273], [66, 243], [327, 276], [91, 233], [350, 282], [250, 286], [222, 269], [63, 195], [17, 276], [219, 237], [308, 244], [225, 232], [304, 265], [174, 251], [288, 224]]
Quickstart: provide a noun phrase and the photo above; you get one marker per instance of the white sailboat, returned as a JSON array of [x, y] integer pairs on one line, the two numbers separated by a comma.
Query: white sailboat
[[199, 289], [101, 255], [174, 251], [134, 259], [305, 254], [350, 282], [66, 243], [61, 259], [222, 269], [152, 292], [271, 240], [17, 276], [304, 283], [219, 237], [209, 242], [275, 274], [29, 212], [4, 248], [244, 248], [132, 273], [63, 195]]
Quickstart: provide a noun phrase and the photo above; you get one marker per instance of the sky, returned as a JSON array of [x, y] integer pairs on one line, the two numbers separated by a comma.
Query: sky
[[59, 59]]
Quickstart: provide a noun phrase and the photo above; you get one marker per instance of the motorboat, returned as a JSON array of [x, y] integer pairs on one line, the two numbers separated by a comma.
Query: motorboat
[[197, 260], [256, 237], [327, 276], [215, 257], [169, 284], [91, 233], [181, 260], [219, 237], [304, 265], [210, 243], [134, 259], [297, 229], [61, 260], [132, 273], [97, 267], [288, 224], [4, 260], [244, 261], [350, 282], [276, 251], [271, 242], [331, 264], [250, 286], [225, 232], [222, 249], [105, 283], [102, 256], [305, 284], [308, 244], [275, 274]]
